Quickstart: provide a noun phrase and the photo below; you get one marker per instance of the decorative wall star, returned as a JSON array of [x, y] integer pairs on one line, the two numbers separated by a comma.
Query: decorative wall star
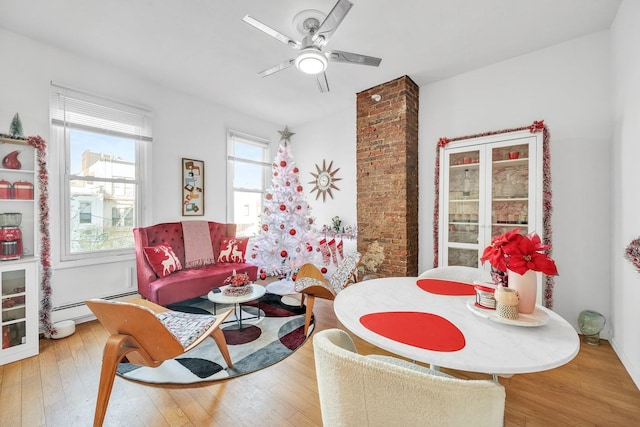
[[285, 134]]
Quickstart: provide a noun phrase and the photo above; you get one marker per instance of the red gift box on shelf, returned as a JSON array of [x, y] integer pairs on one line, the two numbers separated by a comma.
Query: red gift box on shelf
[[5, 189], [23, 190]]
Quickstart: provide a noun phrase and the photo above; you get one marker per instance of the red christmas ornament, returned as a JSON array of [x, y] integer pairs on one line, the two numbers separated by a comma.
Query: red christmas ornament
[[263, 276], [299, 188], [269, 196], [281, 226], [309, 248], [295, 170], [287, 183], [275, 174], [265, 227], [283, 254], [298, 207], [283, 208], [323, 270], [253, 256], [292, 232], [283, 163], [294, 277]]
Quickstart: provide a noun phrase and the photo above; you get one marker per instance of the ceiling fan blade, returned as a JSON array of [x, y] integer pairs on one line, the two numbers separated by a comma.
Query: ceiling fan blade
[[275, 69], [323, 83], [271, 32], [353, 58], [332, 21]]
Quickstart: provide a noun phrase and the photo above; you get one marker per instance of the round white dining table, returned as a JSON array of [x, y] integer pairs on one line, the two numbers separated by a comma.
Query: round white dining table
[[488, 346]]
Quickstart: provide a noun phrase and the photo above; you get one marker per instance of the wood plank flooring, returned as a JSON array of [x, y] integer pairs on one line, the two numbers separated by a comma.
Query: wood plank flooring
[[58, 388]]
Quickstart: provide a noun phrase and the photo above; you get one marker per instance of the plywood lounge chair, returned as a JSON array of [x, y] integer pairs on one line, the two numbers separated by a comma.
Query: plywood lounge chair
[[148, 334], [311, 283]]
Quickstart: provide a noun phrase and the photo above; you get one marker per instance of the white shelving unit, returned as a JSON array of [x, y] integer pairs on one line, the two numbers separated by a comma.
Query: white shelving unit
[[19, 277], [484, 193]]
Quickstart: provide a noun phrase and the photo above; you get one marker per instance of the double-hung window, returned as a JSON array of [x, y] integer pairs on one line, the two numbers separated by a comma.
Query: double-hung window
[[104, 150], [249, 168]]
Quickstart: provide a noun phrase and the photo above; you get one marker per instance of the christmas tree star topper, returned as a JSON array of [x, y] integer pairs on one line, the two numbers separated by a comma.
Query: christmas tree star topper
[[285, 134]]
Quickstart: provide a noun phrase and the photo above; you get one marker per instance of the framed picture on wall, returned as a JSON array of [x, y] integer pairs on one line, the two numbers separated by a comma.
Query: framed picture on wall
[[192, 187]]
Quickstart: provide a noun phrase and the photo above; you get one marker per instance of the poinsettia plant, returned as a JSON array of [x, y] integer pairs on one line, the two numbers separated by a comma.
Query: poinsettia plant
[[237, 280], [519, 253]]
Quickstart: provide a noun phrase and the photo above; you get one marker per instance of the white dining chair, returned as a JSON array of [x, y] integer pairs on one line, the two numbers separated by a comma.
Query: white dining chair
[[357, 390]]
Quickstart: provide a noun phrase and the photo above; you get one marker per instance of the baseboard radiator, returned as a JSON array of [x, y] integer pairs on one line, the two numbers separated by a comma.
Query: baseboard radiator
[[79, 312]]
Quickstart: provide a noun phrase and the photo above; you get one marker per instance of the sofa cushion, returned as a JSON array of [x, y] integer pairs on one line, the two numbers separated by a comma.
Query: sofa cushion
[[162, 259], [195, 282], [233, 249]]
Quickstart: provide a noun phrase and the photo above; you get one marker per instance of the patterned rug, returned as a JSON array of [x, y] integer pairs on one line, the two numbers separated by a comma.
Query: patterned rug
[[259, 344]]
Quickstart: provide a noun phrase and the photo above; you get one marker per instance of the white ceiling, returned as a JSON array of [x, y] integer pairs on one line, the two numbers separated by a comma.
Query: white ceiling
[[202, 47]]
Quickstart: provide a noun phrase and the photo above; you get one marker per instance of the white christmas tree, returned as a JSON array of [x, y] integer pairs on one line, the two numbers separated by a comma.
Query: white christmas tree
[[286, 240]]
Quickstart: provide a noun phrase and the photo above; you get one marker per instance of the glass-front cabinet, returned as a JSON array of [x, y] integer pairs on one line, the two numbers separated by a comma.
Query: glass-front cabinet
[[488, 185], [19, 250], [19, 310]]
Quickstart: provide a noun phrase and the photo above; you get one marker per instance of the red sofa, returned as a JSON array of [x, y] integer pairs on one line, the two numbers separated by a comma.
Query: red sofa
[[189, 282]]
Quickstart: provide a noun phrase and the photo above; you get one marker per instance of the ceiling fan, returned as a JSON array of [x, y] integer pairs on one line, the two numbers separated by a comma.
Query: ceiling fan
[[312, 59]]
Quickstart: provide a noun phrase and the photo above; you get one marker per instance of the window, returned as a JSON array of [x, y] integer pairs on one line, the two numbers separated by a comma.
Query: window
[[249, 167], [84, 213], [104, 146]]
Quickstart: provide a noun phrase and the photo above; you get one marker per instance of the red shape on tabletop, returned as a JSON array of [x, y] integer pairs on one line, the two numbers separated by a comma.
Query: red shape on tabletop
[[422, 330], [446, 287]]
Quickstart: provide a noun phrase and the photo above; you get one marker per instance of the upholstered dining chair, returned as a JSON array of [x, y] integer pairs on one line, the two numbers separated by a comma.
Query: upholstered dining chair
[[384, 390], [311, 283], [457, 273], [148, 334]]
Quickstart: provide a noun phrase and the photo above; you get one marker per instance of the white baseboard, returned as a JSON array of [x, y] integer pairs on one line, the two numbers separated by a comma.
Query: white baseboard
[[633, 370]]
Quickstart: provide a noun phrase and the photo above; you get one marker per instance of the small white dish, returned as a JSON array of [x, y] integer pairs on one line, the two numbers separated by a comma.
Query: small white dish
[[63, 329], [537, 318]]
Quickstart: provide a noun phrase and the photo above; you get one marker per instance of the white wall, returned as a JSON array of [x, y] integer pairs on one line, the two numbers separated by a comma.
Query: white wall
[[568, 87], [332, 139], [625, 224], [183, 126]]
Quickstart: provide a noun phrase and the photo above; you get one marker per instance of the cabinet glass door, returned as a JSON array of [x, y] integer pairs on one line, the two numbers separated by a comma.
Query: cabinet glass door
[[13, 288], [510, 188], [463, 208]]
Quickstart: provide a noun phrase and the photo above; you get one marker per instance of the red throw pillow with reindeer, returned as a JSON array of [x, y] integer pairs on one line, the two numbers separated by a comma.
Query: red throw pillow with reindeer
[[232, 249], [162, 259]]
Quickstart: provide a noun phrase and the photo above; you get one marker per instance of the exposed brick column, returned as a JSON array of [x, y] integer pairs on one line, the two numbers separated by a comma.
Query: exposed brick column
[[387, 169]]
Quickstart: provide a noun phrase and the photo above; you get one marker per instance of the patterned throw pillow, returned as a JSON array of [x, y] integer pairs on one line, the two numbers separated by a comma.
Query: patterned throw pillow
[[162, 259], [232, 249]]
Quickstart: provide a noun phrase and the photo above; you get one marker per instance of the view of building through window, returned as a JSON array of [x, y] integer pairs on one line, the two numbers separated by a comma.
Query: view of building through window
[[102, 191]]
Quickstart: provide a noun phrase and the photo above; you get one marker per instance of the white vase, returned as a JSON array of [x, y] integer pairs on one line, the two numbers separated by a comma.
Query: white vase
[[527, 286]]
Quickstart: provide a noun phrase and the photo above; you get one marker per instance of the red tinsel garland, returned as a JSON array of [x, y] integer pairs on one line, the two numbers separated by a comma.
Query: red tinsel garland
[[535, 127], [45, 250]]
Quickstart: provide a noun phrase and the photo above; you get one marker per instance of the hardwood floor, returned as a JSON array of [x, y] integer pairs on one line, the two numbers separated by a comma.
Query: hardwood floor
[[58, 388]]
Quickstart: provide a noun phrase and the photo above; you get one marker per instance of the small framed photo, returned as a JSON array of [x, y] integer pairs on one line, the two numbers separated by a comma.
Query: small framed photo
[[192, 187]]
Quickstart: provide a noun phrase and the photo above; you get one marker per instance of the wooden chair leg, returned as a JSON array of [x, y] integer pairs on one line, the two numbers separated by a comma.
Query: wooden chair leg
[[115, 349], [307, 317], [218, 337]]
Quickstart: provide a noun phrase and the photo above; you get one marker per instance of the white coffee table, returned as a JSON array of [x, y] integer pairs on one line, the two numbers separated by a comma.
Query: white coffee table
[[220, 298]]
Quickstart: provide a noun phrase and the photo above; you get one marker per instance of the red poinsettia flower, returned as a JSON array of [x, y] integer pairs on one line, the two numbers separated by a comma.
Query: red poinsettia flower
[[519, 253], [526, 254], [494, 253]]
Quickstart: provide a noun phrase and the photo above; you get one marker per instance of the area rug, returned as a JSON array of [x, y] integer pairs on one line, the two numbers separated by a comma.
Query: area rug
[[260, 343]]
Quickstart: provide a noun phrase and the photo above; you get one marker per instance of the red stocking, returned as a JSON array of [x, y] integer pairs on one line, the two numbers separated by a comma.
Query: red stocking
[[341, 249], [332, 246], [324, 250]]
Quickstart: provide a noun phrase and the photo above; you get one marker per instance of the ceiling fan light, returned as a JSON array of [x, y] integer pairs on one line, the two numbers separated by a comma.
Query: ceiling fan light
[[311, 61]]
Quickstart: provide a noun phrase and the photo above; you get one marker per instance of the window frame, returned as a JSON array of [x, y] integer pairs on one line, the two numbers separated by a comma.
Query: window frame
[[265, 144], [60, 133]]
